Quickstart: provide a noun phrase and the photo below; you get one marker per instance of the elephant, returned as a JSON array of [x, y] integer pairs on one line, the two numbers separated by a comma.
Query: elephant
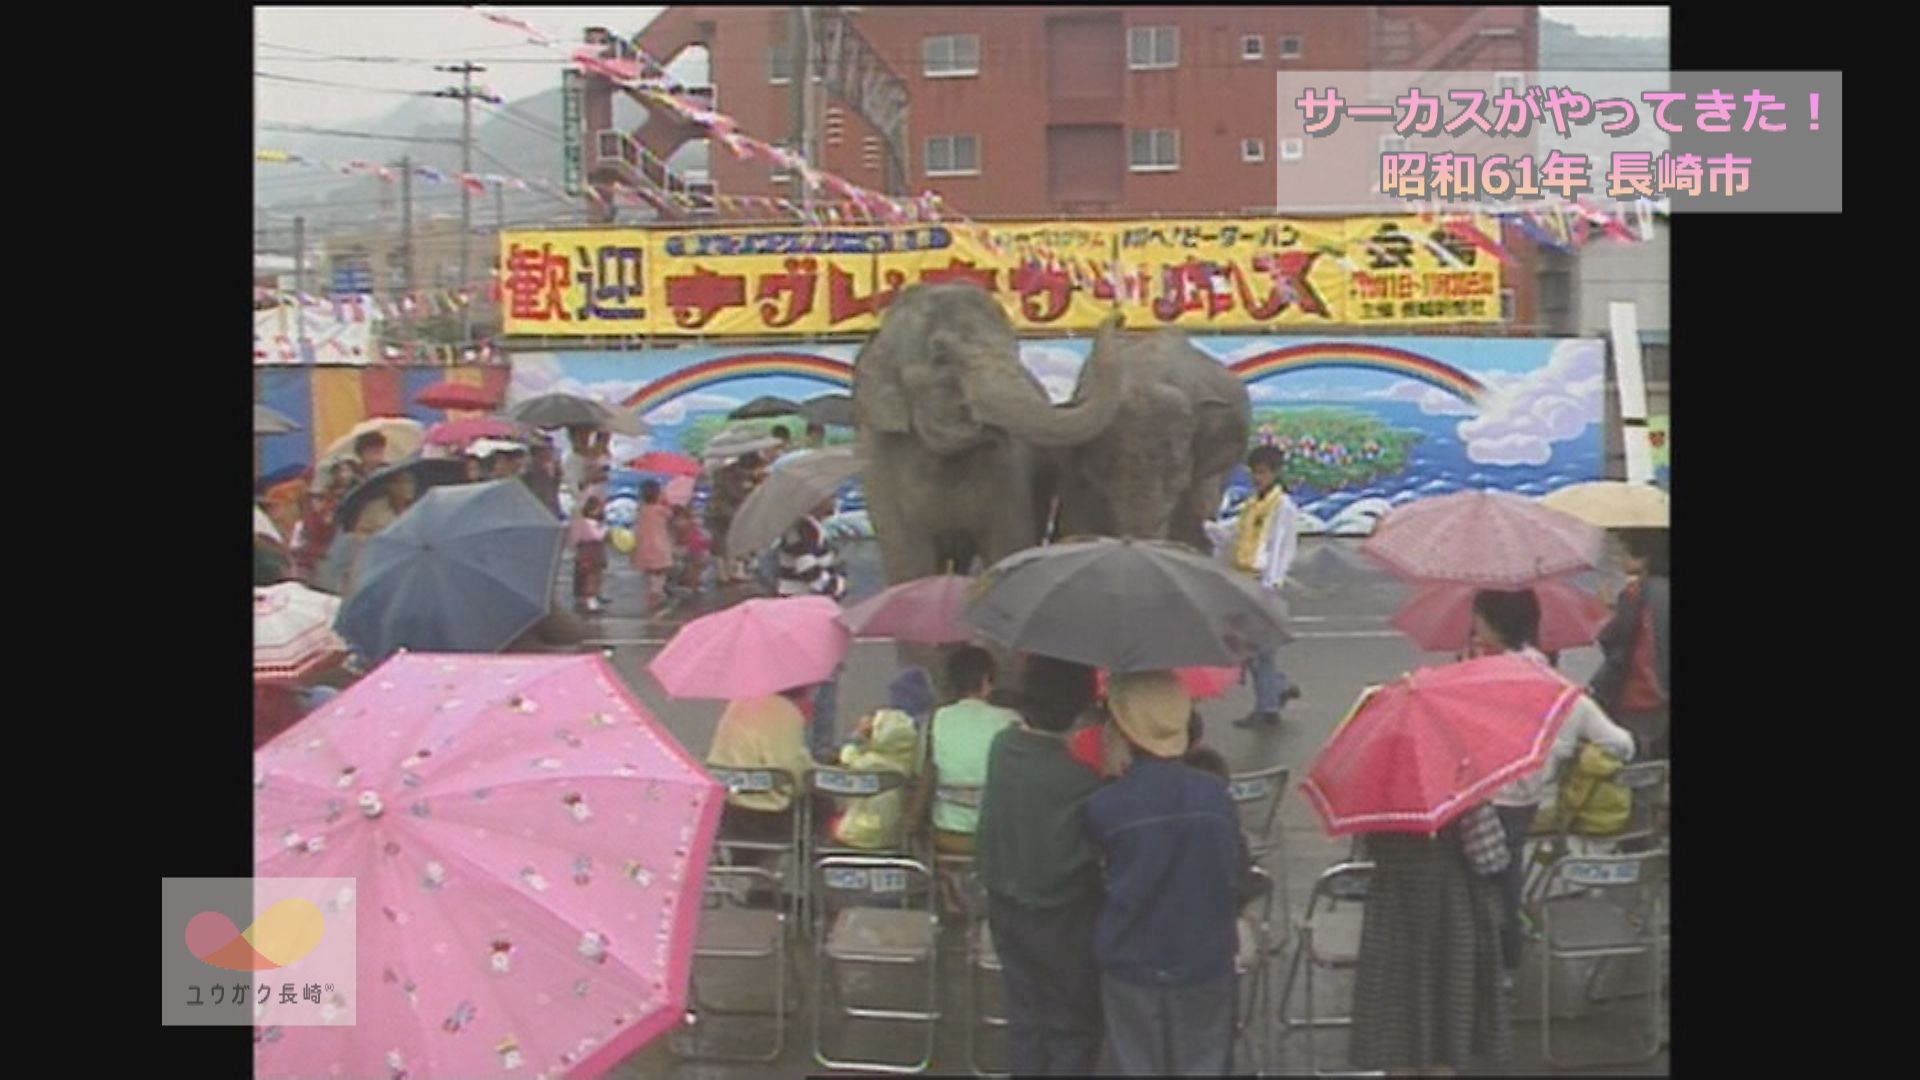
[[958, 433], [1157, 471]]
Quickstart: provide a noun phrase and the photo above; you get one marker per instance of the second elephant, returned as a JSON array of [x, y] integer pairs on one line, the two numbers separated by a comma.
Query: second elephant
[[1156, 472]]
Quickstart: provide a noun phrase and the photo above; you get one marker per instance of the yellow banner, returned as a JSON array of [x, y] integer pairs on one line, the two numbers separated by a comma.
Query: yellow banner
[[1218, 275]]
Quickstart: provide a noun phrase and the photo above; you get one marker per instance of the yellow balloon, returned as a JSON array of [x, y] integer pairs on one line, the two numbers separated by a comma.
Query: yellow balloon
[[622, 539]]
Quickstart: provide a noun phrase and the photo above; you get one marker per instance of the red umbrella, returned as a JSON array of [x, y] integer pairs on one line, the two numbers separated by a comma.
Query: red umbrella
[[1439, 616], [462, 432], [1483, 538], [925, 611], [666, 463], [1418, 752], [1200, 683], [453, 395]]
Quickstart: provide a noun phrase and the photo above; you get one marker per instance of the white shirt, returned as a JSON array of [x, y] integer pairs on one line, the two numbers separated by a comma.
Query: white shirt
[[1586, 722]]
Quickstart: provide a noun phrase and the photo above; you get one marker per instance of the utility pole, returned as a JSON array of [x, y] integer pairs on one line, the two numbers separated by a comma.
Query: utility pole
[[466, 69], [406, 223], [299, 286], [800, 68]]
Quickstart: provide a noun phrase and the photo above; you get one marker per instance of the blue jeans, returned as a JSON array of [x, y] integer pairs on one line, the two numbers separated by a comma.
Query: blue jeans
[[823, 735], [1269, 682], [1169, 1030]]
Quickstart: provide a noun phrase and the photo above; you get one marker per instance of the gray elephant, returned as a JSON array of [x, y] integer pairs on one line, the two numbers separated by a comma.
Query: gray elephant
[[957, 431], [1157, 471]]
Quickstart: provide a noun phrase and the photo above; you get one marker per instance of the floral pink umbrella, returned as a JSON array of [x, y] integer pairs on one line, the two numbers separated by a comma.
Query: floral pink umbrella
[[1482, 538], [1439, 616], [529, 846], [925, 611], [754, 648]]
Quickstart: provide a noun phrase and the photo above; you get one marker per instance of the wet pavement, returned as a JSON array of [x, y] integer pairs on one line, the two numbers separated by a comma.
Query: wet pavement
[[1339, 605]]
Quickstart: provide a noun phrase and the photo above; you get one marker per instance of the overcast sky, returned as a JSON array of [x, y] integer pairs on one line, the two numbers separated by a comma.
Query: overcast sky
[[287, 39]]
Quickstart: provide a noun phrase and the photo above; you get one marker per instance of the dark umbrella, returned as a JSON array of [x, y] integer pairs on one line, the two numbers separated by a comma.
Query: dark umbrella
[[834, 410], [427, 473], [1125, 605], [571, 410], [468, 568], [764, 408], [268, 422]]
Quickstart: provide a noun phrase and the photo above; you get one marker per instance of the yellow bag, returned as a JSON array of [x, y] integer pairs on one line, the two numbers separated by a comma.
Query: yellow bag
[[1589, 798]]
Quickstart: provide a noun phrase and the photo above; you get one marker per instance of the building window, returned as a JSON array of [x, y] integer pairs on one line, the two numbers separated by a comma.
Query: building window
[[950, 56], [1292, 47], [1393, 144], [779, 64], [1253, 47], [1507, 80], [953, 155], [1153, 47], [1507, 305], [1154, 150], [780, 174], [1293, 149], [1253, 150]]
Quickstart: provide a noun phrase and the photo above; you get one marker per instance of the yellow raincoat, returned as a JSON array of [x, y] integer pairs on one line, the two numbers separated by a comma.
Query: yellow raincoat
[[892, 745], [1589, 798]]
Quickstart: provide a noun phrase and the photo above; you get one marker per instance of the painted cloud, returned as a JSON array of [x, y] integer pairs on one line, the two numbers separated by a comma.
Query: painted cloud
[[1523, 416]]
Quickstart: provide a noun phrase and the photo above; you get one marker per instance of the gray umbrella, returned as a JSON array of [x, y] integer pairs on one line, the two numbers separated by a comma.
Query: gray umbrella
[[765, 408], [468, 568], [1126, 605], [268, 422], [736, 441], [572, 410], [834, 410], [788, 493]]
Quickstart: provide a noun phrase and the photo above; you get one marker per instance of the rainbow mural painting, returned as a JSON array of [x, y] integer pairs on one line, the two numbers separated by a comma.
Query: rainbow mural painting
[[1360, 356], [1369, 423], [833, 373]]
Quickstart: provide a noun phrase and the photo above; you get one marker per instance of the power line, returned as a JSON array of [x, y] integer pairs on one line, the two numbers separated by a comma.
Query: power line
[[304, 129], [341, 85]]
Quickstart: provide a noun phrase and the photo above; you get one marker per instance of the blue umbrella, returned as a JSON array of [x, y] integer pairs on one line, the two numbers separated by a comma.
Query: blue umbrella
[[468, 568]]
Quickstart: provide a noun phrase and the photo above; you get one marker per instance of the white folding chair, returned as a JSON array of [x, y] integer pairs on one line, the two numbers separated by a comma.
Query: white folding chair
[[1327, 938], [732, 931], [864, 916], [983, 965], [854, 785], [1617, 912], [955, 870], [1252, 969], [1256, 801]]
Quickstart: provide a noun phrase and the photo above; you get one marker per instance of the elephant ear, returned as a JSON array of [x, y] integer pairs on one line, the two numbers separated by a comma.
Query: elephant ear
[[880, 401]]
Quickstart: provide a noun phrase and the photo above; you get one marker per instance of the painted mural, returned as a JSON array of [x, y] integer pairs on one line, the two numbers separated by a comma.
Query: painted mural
[[1367, 423]]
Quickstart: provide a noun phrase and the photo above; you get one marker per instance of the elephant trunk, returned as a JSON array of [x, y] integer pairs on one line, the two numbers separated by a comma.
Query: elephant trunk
[[1022, 408]]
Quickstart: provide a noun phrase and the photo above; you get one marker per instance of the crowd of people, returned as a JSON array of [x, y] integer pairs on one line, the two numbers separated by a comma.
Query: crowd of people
[[1112, 858]]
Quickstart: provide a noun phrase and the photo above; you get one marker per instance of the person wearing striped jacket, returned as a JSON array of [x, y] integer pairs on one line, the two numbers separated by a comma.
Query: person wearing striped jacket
[[810, 566]]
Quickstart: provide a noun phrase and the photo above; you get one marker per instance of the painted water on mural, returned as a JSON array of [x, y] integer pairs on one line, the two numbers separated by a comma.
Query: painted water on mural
[[1368, 423]]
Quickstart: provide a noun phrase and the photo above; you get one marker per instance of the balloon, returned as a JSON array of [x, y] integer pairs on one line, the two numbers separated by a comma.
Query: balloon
[[622, 540]]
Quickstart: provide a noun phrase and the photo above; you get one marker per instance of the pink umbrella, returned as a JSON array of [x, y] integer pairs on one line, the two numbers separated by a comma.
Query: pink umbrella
[[453, 395], [754, 648], [666, 463], [925, 611], [529, 847], [462, 432], [1416, 753], [1201, 683], [1483, 538], [1439, 616], [679, 491], [293, 632]]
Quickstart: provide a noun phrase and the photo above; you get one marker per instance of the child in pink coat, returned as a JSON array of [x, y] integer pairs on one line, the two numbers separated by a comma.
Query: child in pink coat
[[589, 535], [652, 544]]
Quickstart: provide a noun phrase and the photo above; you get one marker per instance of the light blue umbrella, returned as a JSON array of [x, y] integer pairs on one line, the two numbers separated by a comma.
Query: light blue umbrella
[[468, 568]]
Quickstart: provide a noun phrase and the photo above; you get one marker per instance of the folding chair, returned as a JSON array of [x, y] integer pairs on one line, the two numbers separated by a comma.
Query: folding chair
[[1617, 912], [1252, 967], [853, 784], [954, 870], [731, 931], [767, 782], [982, 962], [863, 917], [1645, 829], [1328, 937], [1256, 800], [1647, 819]]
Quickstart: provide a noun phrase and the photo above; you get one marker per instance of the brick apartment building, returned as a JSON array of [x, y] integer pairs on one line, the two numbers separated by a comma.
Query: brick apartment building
[[1022, 112]]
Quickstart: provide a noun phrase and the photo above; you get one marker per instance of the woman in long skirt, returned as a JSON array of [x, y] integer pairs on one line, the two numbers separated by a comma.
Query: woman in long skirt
[[1426, 996]]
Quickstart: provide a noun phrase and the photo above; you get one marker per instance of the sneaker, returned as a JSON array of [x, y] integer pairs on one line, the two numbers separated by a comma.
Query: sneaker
[[1258, 719], [1292, 693]]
